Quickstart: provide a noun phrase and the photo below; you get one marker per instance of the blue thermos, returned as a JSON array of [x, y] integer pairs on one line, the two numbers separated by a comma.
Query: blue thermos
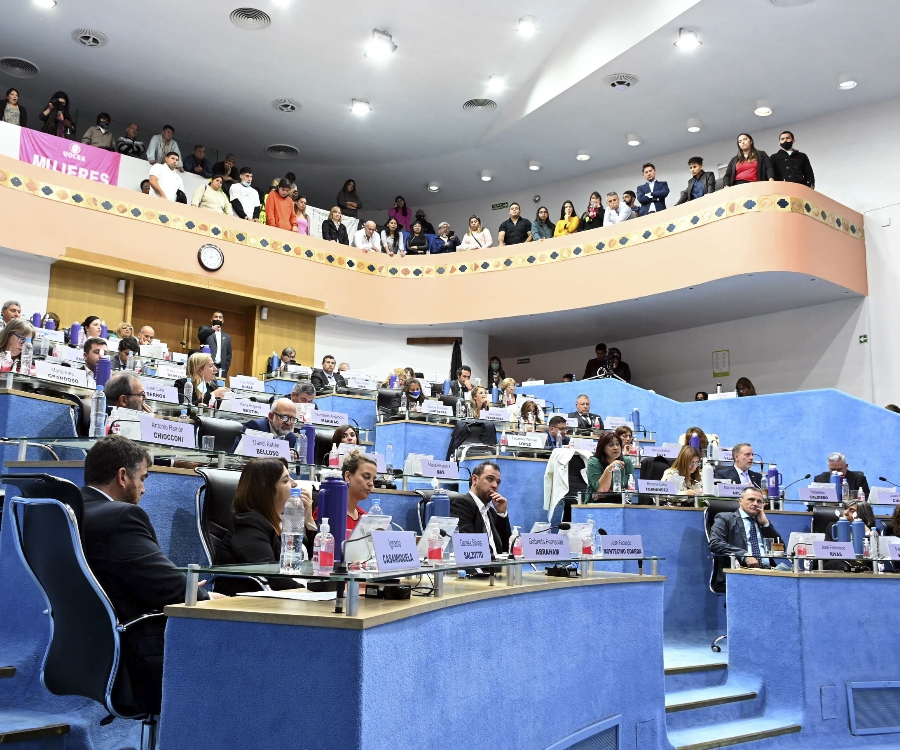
[[439, 505], [274, 362], [392, 382], [50, 325], [74, 334], [310, 432], [695, 441], [36, 320], [333, 506], [102, 370], [104, 331], [495, 394], [205, 350], [837, 480], [840, 532], [858, 530], [774, 480], [446, 386], [636, 419]]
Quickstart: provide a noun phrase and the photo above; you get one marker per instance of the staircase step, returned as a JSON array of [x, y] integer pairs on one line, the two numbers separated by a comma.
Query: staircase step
[[32, 726], [693, 676], [7, 672], [720, 704], [686, 700], [730, 733]]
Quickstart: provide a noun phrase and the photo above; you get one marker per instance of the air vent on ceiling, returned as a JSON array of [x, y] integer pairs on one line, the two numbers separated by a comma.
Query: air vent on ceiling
[[620, 81], [90, 37], [18, 68], [250, 19], [478, 105], [286, 105], [282, 151]]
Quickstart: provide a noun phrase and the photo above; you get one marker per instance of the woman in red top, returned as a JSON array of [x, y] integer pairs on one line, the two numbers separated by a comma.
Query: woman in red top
[[749, 165], [359, 472]]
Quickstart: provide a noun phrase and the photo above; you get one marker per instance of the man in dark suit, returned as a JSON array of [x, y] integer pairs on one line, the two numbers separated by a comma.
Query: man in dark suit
[[483, 510], [218, 341], [740, 473], [463, 383], [701, 183], [593, 365], [652, 194], [123, 553], [327, 377], [126, 345], [280, 423], [584, 415], [739, 532], [556, 432], [855, 479]]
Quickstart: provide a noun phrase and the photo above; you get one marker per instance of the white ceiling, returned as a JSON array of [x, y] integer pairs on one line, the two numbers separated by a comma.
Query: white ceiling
[[188, 65]]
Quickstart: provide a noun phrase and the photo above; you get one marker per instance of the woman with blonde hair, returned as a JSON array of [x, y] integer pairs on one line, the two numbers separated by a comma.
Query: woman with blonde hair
[[202, 371], [508, 391], [481, 399], [125, 330], [333, 230], [477, 237], [686, 472]]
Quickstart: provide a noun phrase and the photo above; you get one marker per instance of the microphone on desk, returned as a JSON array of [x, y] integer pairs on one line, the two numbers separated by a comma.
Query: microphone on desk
[[788, 486], [885, 479]]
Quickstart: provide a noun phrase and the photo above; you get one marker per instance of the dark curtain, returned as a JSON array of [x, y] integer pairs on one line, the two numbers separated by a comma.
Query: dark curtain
[[455, 359]]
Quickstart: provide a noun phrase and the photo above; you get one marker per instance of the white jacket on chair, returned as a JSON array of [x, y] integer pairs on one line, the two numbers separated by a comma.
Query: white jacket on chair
[[556, 476]]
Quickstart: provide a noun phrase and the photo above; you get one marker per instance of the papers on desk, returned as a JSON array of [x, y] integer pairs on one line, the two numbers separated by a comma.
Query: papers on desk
[[297, 595]]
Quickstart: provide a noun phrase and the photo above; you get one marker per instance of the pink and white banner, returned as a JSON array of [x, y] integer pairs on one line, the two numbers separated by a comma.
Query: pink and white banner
[[69, 157]]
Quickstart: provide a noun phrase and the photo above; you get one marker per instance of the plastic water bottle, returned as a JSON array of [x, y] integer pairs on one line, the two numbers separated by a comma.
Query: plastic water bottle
[[435, 545], [302, 445], [860, 496], [129, 363], [43, 345], [389, 457], [587, 543], [189, 392], [26, 359], [6, 363], [292, 528], [323, 550], [403, 402], [515, 542], [375, 508], [334, 457], [631, 488], [616, 479], [183, 417], [591, 521], [460, 409], [98, 413], [495, 394], [845, 492]]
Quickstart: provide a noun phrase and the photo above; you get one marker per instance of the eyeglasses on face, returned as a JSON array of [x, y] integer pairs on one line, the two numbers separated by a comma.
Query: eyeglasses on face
[[285, 418]]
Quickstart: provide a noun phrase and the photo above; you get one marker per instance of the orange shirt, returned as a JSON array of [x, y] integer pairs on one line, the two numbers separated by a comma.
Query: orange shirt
[[280, 211]]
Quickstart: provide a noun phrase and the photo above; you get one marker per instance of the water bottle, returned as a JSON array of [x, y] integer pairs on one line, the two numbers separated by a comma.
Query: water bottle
[[183, 417], [708, 474], [439, 505], [636, 419], [837, 480], [860, 495], [98, 413], [334, 457], [845, 492], [129, 363], [435, 545], [6, 364], [36, 320], [631, 488], [596, 423], [292, 531], [587, 543], [302, 446], [309, 431], [403, 402], [323, 550], [495, 394], [26, 359], [74, 333], [104, 331], [42, 346], [460, 409], [189, 392], [773, 480], [446, 386], [389, 457], [50, 325], [718, 387], [102, 370], [515, 542], [867, 549], [616, 479], [375, 508]]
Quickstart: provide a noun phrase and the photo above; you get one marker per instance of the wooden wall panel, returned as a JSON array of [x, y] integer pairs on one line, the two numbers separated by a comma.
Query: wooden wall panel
[[284, 328], [76, 293]]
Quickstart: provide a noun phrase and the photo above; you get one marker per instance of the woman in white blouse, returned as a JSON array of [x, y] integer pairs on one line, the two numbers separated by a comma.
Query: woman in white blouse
[[392, 239], [477, 237], [685, 472]]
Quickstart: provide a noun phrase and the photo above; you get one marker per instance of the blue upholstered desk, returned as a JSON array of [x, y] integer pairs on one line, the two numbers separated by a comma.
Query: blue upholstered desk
[[428, 438], [361, 408]]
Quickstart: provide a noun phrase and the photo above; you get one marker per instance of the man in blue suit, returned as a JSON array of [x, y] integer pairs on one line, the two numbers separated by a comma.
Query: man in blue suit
[[556, 432], [652, 194], [280, 423]]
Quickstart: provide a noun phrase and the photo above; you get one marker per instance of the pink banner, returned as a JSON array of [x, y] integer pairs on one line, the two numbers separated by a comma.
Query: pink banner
[[69, 157]]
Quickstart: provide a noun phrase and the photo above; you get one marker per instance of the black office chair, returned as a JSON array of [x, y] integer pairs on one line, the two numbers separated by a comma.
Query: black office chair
[[225, 432], [213, 505], [388, 401], [653, 467], [713, 508], [425, 496], [324, 438], [472, 437], [823, 517], [45, 485], [84, 656], [450, 400]]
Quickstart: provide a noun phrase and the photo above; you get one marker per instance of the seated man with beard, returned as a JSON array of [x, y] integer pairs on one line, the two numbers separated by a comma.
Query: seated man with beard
[[279, 423]]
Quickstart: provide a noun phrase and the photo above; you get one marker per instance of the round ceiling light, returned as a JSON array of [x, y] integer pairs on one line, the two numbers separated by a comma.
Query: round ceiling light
[[527, 26], [688, 39], [582, 155], [495, 83], [433, 187], [845, 83], [534, 166], [485, 176], [360, 107], [762, 109], [45, 3], [634, 139], [250, 19], [694, 125]]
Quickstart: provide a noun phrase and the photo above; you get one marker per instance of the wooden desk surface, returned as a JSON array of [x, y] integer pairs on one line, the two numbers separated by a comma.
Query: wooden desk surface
[[374, 612]]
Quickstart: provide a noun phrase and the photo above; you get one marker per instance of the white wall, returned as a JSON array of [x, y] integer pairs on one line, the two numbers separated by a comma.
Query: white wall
[[26, 279], [813, 347]]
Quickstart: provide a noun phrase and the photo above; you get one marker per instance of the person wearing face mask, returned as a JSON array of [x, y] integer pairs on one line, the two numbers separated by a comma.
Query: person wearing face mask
[[414, 396], [218, 341], [593, 215], [56, 118], [791, 165], [619, 368], [496, 374], [244, 198]]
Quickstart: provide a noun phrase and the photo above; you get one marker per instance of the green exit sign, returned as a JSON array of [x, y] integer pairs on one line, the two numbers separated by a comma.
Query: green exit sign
[[523, 361], [498, 206], [864, 339]]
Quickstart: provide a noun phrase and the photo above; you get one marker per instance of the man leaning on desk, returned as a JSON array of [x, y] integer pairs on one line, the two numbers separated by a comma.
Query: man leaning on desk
[[856, 480], [484, 509], [740, 473]]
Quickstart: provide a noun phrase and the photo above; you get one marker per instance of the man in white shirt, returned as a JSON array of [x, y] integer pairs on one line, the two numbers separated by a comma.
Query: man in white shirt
[[484, 509], [244, 198], [615, 212], [164, 179], [367, 239]]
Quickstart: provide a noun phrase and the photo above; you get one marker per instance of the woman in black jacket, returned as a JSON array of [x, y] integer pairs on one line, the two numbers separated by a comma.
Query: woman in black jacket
[[13, 112], [348, 200], [416, 242], [332, 228], [740, 168], [56, 118]]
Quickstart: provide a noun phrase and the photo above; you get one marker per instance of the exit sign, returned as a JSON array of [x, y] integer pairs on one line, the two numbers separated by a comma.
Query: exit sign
[[498, 206], [523, 361], [864, 339]]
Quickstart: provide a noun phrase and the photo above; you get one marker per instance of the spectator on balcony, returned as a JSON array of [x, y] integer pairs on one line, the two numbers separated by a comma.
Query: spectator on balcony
[[516, 229], [652, 194], [568, 222], [56, 118], [745, 387], [13, 112], [280, 207], [292, 178], [446, 240], [300, 213], [367, 239], [542, 228], [401, 212], [212, 197], [617, 367], [416, 243], [593, 215], [129, 145], [244, 198], [164, 178], [333, 230], [629, 197], [348, 200], [427, 226], [616, 213], [161, 144], [197, 163], [750, 165], [477, 237], [701, 183], [229, 172], [98, 135], [392, 238], [791, 165], [145, 187]]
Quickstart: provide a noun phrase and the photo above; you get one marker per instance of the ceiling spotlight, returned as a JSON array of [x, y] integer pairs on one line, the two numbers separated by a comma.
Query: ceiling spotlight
[[485, 176], [694, 125], [845, 83], [360, 107], [582, 155], [634, 139], [534, 166], [495, 83], [762, 109], [381, 47], [433, 187], [688, 39], [45, 3], [527, 26]]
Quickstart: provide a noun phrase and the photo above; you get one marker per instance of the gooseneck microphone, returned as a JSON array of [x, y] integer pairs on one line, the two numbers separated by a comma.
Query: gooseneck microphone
[[885, 479], [788, 486]]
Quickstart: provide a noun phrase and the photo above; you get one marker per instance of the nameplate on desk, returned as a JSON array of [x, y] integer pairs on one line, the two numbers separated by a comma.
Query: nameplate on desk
[[71, 354], [525, 441], [726, 455], [378, 458], [545, 547], [263, 446], [245, 406], [436, 407], [894, 551], [395, 550], [57, 336], [440, 469], [153, 351], [328, 418], [471, 548], [725, 489], [583, 444], [60, 374], [362, 383], [659, 450], [655, 487], [724, 394], [884, 496], [247, 383], [165, 432], [572, 422], [837, 550], [494, 415], [537, 401], [818, 494], [156, 392], [179, 358], [169, 371], [614, 423], [622, 546], [299, 369]]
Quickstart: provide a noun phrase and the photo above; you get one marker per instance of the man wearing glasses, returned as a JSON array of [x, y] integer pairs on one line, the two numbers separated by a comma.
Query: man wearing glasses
[[126, 391], [280, 423]]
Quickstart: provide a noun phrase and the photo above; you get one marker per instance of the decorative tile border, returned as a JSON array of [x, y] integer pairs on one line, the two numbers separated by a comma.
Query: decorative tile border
[[466, 262]]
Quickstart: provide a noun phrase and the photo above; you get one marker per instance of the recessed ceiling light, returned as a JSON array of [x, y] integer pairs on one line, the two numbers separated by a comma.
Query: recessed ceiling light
[[845, 83], [534, 166], [527, 26], [688, 39], [582, 156], [433, 187], [485, 176], [694, 125], [45, 3], [381, 47], [360, 107], [634, 139], [495, 83], [762, 108]]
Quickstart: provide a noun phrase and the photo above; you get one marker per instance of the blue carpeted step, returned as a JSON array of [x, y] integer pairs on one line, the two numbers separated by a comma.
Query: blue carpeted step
[[730, 733], [689, 676], [41, 731], [712, 705]]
